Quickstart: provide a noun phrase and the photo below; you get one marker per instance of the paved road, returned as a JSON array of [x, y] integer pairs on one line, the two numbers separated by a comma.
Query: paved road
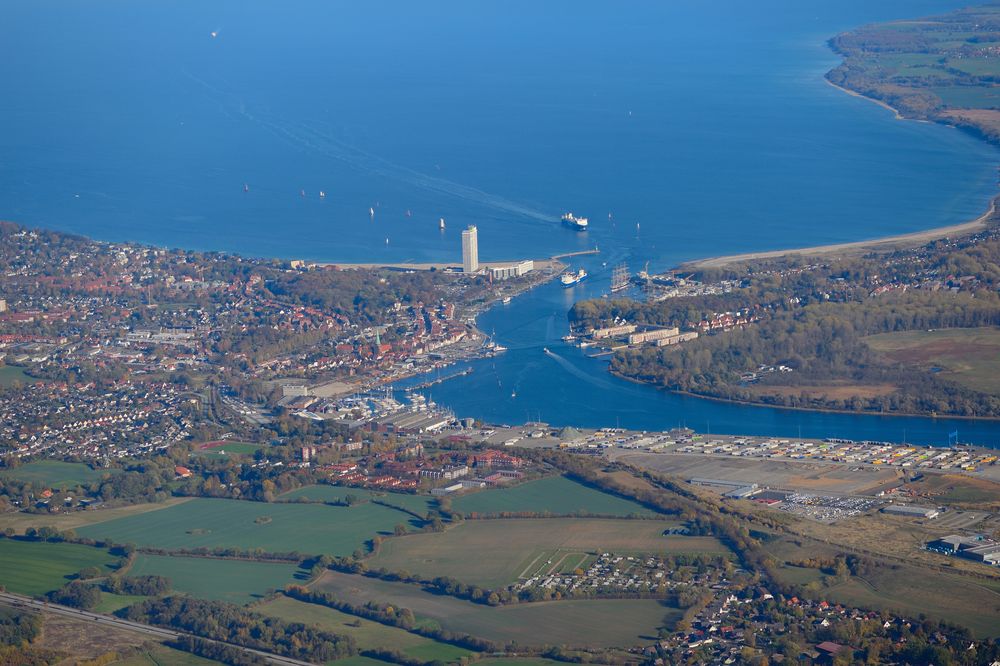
[[116, 622]]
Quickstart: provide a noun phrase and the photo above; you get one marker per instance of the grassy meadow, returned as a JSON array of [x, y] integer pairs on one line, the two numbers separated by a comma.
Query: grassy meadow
[[493, 553], [210, 523], [554, 495], [966, 356], [54, 474], [36, 567], [235, 581], [598, 623], [368, 634]]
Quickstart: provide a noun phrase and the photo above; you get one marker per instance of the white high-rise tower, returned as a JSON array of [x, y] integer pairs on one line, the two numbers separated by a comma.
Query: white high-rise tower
[[470, 250]]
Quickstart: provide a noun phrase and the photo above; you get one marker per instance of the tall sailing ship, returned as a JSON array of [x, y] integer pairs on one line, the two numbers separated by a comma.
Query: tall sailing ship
[[619, 278]]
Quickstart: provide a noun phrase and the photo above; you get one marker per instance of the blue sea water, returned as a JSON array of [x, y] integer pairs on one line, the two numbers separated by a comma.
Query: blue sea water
[[702, 127]]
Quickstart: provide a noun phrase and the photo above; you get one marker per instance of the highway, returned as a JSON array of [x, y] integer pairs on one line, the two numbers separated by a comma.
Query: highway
[[158, 633]]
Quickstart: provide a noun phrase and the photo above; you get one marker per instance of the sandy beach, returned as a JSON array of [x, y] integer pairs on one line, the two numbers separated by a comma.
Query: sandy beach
[[886, 244]]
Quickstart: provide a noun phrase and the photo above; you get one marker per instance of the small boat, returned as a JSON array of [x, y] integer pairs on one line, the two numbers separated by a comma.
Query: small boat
[[214, 34], [569, 338], [302, 193], [246, 188], [408, 213], [441, 224], [371, 212], [546, 350], [506, 300], [386, 241], [322, 194], [513, 394]]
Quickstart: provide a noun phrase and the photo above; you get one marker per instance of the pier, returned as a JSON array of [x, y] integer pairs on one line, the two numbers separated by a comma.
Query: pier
[[557, 257], [439, 380]]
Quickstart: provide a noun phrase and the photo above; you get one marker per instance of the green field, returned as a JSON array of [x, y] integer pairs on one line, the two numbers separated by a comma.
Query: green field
[[110, 603], [13, 373], [72, 520], [228, 450], [54, 474], [494, 553], [968, 97], [369, 635], [597, 623], [34, 568], [235, 581], [967, 356], [554, 495], [306, 528], [421, 504]]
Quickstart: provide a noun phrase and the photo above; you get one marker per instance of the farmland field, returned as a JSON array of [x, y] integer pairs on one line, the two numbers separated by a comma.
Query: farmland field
[[72, 520], [55, 474], [235, 581], [493, 553], [307, 528], [421, 504], [598, 623], [554, 495], [368, 635], [967, 356], [37, 567]]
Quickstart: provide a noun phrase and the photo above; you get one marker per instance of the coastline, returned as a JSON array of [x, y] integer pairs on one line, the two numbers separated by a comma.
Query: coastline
[[884, 244], [887, 107]]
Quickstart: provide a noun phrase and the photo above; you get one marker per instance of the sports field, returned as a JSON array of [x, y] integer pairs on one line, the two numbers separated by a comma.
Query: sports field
[[226, 449], [967, 356], [306, 528], [54, 474], [493, 553], [37, 567], [554, 495], [235, 581], [421, 504], [597, 623], [368, 635]]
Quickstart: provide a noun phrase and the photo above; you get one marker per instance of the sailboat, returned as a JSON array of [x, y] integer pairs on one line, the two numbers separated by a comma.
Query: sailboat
[[371, 212], [322, 194]]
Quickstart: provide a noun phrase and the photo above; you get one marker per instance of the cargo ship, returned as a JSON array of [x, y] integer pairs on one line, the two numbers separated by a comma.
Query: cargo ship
[[569, 279], [574, 222]]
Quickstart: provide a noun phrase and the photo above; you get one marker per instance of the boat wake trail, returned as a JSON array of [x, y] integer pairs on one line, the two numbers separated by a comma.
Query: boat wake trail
[[319, 140], [580, 374]]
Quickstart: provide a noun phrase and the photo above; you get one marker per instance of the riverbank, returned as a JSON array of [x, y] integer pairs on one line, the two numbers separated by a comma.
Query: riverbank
[[885, 244], [821, 410]]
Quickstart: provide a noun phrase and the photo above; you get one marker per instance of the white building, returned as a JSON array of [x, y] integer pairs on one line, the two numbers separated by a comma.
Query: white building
[[470, 250], [505, 271]]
